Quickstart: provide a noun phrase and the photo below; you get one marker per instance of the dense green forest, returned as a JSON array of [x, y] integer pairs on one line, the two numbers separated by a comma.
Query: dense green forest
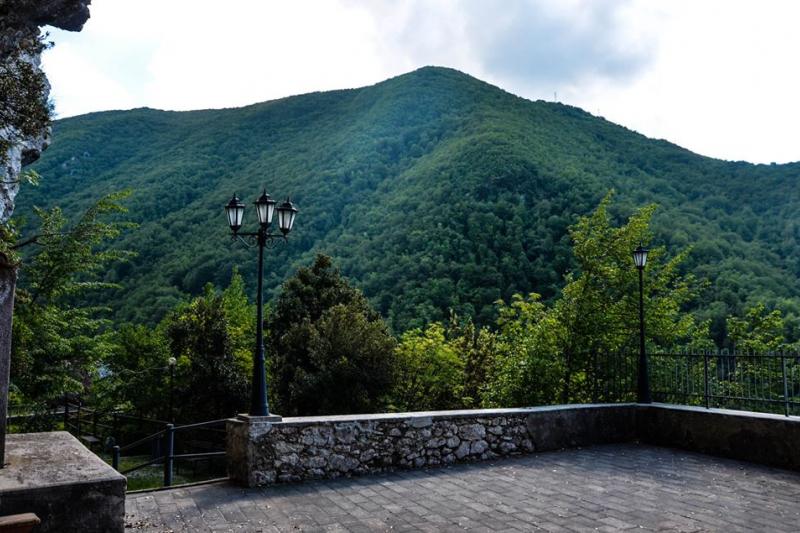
[[433, 192], [331, 352]]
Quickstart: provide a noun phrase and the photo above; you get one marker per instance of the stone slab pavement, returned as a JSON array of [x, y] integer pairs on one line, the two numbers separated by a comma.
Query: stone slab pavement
[[602, 488]]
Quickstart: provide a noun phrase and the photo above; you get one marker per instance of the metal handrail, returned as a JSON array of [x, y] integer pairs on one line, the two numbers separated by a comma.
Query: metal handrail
[[169, 456], [201, 424], [142, 465], [745, 377], [142, 440], [194, 455]]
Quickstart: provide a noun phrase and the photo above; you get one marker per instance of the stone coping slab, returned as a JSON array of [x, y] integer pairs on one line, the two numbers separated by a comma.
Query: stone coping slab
[[458, 413], [40, 460], [67, 486], [727, 412]]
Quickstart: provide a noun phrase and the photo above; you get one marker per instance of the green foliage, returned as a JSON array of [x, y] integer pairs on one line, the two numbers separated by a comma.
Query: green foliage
[[51, 273], [477, 347], [58, 345], [433, 191], [24, 108], [331, 353], [599, 305], [211, 337], [443, 366], [351, 362], [136, 372], [211, 384], [240, 316], [545, 349], [758, 331], [430, 371], [528, 368]]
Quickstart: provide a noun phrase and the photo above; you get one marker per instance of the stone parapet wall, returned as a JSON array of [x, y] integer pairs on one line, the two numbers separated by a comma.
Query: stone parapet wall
[[267, 450], [263, 451], [756, 437]]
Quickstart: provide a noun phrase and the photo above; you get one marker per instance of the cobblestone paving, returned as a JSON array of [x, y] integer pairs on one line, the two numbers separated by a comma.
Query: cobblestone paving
[[602, 488]]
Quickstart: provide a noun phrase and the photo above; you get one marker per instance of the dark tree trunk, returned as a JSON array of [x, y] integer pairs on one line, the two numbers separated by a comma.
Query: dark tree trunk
[[8, 282]]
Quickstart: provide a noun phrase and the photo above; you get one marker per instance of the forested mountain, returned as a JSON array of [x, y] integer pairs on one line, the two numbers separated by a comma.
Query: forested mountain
[[432, 190]]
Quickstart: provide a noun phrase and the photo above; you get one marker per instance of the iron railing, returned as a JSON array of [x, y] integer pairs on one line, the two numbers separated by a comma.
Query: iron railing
[[95, 426], [767, 382], [166, 442]]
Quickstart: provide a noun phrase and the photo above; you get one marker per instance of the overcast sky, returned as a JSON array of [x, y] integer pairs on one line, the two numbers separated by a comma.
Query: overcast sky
[[718, 77]]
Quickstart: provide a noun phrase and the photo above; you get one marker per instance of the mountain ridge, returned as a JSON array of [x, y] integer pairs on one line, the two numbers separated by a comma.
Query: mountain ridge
[[432, 189]]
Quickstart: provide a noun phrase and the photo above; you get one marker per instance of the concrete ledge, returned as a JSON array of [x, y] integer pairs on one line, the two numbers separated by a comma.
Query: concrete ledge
[[67, 486]]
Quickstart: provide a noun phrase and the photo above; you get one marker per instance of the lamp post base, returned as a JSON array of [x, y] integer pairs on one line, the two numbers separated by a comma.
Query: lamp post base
[[251, 418]]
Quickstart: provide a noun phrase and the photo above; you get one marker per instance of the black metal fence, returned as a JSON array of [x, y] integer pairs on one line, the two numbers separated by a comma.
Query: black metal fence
[[172, 449], [609, 378], [767, 382], [146, 441]]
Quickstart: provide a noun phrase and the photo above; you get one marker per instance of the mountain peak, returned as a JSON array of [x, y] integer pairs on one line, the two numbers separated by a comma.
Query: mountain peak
[[433, 190]]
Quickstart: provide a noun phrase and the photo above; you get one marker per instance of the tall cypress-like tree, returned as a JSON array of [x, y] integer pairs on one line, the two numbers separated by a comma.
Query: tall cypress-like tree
[[331, 353]]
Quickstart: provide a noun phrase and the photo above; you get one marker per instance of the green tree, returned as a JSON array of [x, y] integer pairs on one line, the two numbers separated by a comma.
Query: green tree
[[598, 306], [211, 383], [324, 338], [240, 314], [595, 316], [528, 367], [477, 347], [758, 331], [136, 372], [351, 356], [59, 344], [430, 371]]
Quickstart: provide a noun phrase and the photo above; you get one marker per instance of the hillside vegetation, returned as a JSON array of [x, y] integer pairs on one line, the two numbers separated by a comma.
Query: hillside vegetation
[[432, 190]]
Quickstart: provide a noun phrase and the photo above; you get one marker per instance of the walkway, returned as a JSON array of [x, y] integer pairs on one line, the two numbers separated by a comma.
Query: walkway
[[605, 488]]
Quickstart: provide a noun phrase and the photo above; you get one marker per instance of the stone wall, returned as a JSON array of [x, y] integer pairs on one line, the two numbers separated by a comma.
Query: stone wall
[[265, 451], [757, 437]]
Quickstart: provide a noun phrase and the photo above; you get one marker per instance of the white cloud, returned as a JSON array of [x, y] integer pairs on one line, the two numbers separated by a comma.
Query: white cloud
[[80, 85], [717, 77]]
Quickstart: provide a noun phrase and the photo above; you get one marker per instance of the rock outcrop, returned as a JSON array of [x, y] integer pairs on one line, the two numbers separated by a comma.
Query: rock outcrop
[[24, 132], [24, 120]]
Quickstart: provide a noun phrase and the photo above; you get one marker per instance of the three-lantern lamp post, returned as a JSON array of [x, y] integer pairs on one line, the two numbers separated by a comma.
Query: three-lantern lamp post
[[266, 208]]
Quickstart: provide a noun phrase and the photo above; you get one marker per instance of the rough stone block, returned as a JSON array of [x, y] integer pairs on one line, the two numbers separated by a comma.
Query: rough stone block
[[67, 486]]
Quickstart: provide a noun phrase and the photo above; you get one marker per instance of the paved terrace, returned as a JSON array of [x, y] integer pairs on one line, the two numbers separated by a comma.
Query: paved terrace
[[600, 488]]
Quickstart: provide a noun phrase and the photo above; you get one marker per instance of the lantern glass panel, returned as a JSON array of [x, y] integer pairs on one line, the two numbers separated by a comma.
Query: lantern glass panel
[[640, 257], [235, 211], [265, 208], [286, 215]]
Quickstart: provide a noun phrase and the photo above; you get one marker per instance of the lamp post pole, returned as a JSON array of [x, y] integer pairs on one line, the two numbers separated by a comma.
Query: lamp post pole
[[258, 400], [643, 382], [265, 207], [171, 362]]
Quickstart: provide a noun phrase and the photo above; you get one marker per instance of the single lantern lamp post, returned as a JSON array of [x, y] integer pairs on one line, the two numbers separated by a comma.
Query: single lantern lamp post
[[643, 384], [265, 209]]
